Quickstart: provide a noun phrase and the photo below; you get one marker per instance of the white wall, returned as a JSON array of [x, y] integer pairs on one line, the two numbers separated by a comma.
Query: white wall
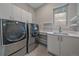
[[26, 7], [44, 14]]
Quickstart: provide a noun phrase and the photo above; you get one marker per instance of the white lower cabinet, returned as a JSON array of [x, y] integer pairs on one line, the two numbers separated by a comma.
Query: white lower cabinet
[[70, 46], [63, 45], [53, 44]]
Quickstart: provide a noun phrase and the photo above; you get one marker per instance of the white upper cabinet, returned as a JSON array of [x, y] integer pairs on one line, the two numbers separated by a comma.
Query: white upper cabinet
[[12, 12], [6, 11], [29, 15], [17, 13], [24, 16]]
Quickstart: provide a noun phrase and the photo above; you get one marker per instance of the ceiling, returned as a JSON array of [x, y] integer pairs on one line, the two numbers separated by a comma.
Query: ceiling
[[35, 5]]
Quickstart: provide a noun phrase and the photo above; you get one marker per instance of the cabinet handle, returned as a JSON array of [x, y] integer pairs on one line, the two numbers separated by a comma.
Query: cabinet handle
[[61, 38]]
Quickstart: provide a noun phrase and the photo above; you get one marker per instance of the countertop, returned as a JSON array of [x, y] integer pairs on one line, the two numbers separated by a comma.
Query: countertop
[[69, 33]]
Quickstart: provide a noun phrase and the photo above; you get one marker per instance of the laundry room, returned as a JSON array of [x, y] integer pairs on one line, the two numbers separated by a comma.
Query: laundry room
[[39, 29]]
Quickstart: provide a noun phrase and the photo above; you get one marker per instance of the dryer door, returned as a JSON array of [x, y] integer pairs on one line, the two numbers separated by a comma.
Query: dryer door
[[34, 30], [13, 30]]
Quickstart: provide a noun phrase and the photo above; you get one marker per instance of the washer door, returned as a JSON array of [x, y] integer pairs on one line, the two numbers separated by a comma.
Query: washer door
[[13, 31]]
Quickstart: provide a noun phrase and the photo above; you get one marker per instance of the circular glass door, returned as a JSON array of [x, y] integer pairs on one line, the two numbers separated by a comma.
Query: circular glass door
[[34, 30], [13, 31]]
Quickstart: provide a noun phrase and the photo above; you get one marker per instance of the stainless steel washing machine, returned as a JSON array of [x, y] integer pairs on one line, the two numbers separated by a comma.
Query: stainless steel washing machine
[[32, 36], [13, 38]]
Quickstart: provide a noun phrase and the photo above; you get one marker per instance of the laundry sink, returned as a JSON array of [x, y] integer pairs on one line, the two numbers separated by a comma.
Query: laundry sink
[[60, 33]]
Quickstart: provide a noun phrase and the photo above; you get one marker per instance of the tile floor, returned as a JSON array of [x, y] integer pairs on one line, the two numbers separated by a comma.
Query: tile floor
[[39, 51]]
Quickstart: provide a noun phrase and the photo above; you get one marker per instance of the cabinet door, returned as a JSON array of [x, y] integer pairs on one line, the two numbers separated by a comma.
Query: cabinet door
[[70, 46], [5, 10], [29, 15], [53, 44], [17, 14], [24, 16]]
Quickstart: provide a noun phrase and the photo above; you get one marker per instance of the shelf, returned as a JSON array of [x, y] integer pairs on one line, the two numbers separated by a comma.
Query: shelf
[[74, 25]]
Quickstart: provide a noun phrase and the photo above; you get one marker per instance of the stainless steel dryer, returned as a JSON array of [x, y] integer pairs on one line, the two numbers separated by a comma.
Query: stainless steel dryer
[[13, 37], [32, 36]]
